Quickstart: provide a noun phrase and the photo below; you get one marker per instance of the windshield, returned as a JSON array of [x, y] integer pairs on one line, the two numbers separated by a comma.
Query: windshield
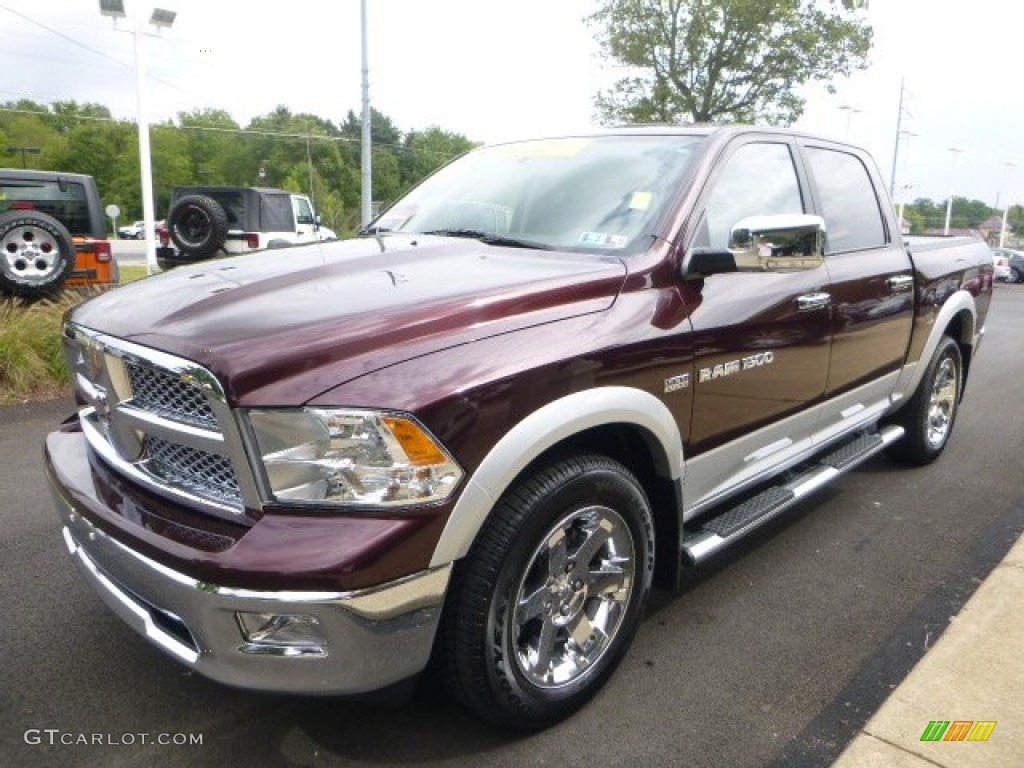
[[598, 195]]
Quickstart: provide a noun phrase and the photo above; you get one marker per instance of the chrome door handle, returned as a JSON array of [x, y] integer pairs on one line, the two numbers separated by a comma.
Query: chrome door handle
[[811, 301], [900, 283]]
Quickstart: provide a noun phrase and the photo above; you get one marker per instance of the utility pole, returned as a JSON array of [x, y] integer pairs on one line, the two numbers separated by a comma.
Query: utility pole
[[896, 145]]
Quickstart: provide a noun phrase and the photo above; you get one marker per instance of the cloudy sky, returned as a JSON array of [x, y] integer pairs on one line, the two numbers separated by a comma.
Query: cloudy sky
[[499, 70]]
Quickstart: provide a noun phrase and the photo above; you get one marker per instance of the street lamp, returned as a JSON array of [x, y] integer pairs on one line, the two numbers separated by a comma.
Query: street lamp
[[850, 112], [954, 151], [160, 19], [1006, 205], [24, 151]]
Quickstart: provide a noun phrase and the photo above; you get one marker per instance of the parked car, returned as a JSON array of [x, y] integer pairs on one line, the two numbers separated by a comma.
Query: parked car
[[1001, 265], [1014, 264], [203, 222], [53, 233], [134, 231]]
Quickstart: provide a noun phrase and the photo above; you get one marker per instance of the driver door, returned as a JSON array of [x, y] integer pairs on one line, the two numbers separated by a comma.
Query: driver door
[[761, 333]]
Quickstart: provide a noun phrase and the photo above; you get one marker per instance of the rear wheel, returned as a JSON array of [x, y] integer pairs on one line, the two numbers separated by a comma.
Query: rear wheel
[[1015, 275], [547, 601], [36, 254], [929, 416]]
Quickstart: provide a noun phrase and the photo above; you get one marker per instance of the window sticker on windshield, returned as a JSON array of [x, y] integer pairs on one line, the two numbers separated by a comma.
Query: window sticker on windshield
[[602, 240], [545, 148], [640, 201]]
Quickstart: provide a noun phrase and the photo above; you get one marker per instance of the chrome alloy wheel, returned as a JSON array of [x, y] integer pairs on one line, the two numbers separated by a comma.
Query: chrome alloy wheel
[[942, 402], [573, 596], [29, 254]]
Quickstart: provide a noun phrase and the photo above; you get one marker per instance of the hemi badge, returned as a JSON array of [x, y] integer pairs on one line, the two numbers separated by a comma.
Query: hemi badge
[[675, 383]]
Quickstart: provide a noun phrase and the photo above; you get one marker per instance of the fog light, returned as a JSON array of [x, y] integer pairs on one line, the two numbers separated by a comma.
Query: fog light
[[281, 634]]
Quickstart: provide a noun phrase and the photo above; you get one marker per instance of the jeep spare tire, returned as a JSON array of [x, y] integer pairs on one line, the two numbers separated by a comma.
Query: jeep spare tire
[[36, 254], [198, 225]]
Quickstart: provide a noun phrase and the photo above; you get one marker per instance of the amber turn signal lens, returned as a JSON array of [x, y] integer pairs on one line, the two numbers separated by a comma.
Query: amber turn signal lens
[[421, 450]]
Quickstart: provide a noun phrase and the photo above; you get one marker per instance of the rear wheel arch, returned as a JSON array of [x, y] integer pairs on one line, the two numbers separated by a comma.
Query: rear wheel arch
[[961, 330]]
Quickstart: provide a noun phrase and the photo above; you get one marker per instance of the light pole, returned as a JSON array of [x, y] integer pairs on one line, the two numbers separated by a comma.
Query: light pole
[[1006, 205], [24, 151], [850, 112], [161, 18], [954, 151], [367, 156]]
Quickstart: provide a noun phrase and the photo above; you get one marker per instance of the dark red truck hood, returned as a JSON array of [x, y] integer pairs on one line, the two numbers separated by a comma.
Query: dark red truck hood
[[281, 327]]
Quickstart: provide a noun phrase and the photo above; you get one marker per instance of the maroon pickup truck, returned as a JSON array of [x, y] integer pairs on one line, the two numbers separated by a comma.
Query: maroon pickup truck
[[556, 374]]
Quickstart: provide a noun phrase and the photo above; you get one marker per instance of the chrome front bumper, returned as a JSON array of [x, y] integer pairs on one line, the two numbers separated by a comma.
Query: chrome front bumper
[[370, 638]]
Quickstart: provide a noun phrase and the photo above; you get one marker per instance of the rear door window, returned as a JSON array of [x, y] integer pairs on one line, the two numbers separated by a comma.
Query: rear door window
[[853, 217]]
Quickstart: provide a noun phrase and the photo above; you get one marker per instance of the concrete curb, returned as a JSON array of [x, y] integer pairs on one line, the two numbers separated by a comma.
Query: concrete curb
[[975, 672]]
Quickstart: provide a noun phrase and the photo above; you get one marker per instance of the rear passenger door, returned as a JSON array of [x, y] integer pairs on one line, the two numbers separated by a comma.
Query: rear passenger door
[[871, 281]]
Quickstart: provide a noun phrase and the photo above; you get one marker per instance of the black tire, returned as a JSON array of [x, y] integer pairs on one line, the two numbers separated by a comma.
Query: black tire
[[198, 225], [929, 415], [520, 668], [1015, 276], [36, 254]]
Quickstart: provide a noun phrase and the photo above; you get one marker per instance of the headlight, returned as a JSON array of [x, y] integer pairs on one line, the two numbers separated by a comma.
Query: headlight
[[351, 457]]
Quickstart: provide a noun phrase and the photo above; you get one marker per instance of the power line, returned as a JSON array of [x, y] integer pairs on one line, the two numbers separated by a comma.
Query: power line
[[60, 34]]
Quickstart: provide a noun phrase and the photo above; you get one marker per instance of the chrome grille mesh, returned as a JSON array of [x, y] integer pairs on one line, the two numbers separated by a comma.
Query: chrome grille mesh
[[200, 472], [162, 421], [166, 394]]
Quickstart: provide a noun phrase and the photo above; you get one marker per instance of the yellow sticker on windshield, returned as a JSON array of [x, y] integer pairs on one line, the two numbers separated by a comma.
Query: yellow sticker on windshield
[[543, 148], [640, 201]]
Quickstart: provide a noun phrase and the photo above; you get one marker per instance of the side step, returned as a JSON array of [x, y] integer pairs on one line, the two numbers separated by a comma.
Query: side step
[[732, 523]]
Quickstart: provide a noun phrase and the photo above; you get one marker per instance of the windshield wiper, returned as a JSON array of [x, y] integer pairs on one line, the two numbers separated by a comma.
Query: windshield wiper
[[489, 238], [372, 230]]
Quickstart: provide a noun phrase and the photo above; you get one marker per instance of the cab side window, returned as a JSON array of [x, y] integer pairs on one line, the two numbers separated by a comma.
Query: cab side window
[[303, 212], [758, 180], [853, 218]]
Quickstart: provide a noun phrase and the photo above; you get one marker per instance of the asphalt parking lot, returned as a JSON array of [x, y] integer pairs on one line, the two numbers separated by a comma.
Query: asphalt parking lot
[[775, 654]]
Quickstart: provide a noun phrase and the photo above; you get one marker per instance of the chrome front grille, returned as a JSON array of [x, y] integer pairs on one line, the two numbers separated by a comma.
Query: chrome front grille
[[168, 395], [201, 472], [163, 421]]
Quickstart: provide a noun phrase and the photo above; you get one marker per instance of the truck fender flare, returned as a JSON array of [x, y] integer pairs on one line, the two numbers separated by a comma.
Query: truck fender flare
[[913, 372], [543, 429]]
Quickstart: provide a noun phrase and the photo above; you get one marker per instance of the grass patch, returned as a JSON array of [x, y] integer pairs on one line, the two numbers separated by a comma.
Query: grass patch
[[32, 364], [132, 272]]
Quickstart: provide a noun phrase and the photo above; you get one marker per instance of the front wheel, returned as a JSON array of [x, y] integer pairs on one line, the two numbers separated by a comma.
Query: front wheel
[[929, 415], [1016, 276], [548, 599]]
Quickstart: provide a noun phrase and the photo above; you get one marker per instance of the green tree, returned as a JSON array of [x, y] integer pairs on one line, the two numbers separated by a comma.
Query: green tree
[[722, 60], [425, 151], [1015, 219], [25, 123]]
